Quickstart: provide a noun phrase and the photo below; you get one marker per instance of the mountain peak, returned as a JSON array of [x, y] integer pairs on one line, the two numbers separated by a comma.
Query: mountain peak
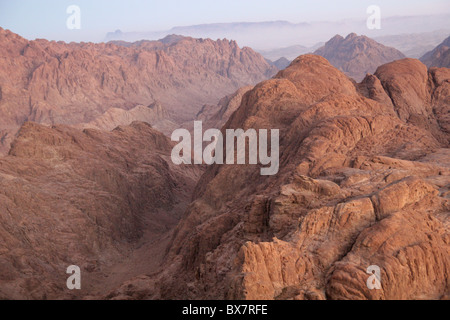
[[357, 55], [351, 36], [337, 38]]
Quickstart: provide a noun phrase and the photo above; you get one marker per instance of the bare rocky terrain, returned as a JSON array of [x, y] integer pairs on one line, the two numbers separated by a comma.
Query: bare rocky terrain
[[52, 82], [357, 55], [87, 197], [364, 175], [362, 182]]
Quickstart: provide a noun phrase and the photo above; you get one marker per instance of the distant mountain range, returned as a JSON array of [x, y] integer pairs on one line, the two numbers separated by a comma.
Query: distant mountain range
[[284, 34], [412, 45], [281, 63], [357, 56]]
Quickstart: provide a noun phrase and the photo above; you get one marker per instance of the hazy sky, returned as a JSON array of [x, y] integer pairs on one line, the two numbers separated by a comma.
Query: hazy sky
[[47, 18]]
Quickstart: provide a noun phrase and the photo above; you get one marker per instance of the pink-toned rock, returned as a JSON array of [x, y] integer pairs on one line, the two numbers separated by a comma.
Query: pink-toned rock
[[356, 55], [360, 184], [58, 83]]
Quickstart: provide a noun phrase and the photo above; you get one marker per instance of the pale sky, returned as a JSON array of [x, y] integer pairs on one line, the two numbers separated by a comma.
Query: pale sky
[[47, 18]]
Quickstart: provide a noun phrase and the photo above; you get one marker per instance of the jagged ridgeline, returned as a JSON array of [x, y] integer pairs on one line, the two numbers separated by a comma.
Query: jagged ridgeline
[[363, 175], [85, 83]]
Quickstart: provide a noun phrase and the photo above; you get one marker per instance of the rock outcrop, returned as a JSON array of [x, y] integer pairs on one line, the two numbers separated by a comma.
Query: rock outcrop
[[362, 182], [154, 114]]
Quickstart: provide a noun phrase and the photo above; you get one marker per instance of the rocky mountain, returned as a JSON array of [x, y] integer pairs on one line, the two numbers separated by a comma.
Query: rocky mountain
[[364, 175], [364, 180], [77, 83], [356, 55], [439, 56], [84, 197]]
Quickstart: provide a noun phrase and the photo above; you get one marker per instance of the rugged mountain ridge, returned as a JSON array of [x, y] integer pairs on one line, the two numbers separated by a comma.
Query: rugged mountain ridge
[[361, 183], [54, 82], [364, 180], [357, 55]]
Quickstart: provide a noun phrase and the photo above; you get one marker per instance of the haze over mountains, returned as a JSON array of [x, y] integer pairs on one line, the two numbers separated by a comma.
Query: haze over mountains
[[289, 53], [88, 180], [412, 35], [282, 34], [414, 45]]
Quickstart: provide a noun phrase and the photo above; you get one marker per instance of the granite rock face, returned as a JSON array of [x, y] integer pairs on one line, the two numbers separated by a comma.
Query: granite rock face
[[77, 83], [364, 175], [362, 182]]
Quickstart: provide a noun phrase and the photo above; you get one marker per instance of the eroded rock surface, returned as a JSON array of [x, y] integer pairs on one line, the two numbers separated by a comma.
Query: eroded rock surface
[[357, 55], [87, 198], [364, 180], [52, 82]]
